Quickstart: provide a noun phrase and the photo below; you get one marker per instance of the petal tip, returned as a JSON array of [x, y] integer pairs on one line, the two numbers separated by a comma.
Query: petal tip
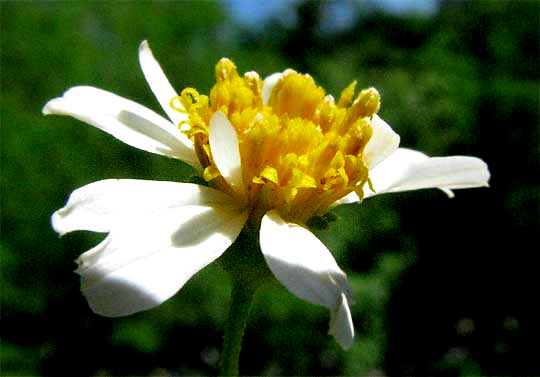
[[268, 85], [449, 193], [341, 325], [56, 223], [49, 107], [225, 150], [144, 46], [45, 110]]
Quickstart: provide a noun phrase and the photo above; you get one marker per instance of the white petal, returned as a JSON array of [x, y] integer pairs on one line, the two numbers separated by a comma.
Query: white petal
[[159, 83], [384, 141], [407, 169], [268, 85], [302, 263], [126, 120], [148, 258], [341, 325], [101, 205], [225, 149]]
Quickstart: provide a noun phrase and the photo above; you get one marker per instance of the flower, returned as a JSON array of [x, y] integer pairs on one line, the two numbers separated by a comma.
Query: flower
[[275, 152]]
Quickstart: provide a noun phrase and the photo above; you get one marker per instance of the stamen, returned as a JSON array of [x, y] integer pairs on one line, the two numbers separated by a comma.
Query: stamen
[[176, 104], [347, 95]]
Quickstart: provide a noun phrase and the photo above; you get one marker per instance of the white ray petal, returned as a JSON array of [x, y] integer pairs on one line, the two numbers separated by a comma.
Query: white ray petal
[[407, 169], [268, 85], [225, 149], [384, 141], [158, 82], [302, 263], [101, 205], [126, 120], [147, 259], [341, 324]]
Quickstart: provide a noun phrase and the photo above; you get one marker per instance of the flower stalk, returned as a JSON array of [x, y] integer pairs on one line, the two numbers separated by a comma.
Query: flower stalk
[[241, 299], [248, 271]]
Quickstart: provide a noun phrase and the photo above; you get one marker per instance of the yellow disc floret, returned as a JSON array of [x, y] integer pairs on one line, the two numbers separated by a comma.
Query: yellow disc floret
[[299, 152]]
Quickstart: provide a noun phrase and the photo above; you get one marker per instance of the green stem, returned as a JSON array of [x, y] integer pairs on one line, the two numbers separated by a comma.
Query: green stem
[[242, 298]]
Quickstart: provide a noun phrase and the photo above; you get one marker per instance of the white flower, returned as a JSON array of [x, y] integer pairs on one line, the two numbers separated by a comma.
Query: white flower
[[277, 152]]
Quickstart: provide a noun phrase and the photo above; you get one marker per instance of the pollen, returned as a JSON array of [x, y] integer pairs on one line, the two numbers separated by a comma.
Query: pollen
[[300, 151]]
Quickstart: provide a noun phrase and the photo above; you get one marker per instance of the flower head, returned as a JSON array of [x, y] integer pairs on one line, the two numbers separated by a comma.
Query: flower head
[[275, 152], [280, 144]]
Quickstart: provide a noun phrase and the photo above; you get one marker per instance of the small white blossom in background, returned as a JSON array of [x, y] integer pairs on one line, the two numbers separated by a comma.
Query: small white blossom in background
[[275, 153]]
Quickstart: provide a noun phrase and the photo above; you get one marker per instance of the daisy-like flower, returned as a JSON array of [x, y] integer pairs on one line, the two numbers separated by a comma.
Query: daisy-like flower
[[275, 153]]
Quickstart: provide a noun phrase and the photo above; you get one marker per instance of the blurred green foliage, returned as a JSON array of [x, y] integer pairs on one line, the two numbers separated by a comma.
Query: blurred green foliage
[[441, 287]]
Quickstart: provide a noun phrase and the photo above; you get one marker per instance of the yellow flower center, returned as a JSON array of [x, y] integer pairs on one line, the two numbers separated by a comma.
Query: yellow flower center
[[300, 152]]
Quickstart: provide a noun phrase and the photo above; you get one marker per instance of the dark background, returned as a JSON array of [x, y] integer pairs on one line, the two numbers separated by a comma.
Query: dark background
[[442, 287]]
